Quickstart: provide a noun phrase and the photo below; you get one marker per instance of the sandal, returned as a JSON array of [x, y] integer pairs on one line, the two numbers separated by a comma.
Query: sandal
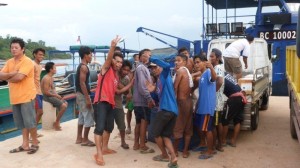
[[172, 165], [205, 156], [33, 149], [19, 149], [89, 144], [160, 158], [147, 150], [125, 146]]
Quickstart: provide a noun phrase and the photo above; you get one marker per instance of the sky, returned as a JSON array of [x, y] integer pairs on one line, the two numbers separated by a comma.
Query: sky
[[97, 22]]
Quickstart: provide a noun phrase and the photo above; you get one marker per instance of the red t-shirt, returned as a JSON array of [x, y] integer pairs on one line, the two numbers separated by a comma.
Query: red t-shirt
[[109, 86]]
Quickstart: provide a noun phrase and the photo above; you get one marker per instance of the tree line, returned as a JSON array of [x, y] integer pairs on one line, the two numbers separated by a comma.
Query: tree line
[[29, 46]]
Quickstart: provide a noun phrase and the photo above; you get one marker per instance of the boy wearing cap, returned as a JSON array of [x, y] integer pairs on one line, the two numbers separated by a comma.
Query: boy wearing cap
[[206, 103], [166, 116], [215, 58]]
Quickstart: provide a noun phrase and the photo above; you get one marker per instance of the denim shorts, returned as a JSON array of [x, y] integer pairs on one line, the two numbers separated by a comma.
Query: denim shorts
[[142, 113], [104, 118], [24, 115]]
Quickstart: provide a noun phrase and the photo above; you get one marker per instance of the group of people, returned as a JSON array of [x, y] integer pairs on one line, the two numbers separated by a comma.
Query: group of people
[[192, 98], [154, 89], [27, 93]]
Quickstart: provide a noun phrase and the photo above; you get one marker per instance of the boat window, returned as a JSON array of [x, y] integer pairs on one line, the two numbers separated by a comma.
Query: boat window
[[293, 6], [271, 6]]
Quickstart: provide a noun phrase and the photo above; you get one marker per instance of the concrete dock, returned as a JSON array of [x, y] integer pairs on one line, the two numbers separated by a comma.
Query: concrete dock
[[269, 146]]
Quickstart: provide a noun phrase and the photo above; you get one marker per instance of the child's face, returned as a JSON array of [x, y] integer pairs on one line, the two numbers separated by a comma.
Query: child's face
[[199, 65], [179, 62]]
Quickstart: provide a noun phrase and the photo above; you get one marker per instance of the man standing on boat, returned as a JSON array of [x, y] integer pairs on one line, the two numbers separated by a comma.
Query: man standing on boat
[[38, 55], [107, 87], [83, 99], [232, 53], [50, 95], [19, 73]]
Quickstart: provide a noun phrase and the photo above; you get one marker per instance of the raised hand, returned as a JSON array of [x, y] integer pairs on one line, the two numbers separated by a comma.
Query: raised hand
[[115, 41]]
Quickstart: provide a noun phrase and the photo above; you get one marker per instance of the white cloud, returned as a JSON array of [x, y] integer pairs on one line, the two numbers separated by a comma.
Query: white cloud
[[59, 22]]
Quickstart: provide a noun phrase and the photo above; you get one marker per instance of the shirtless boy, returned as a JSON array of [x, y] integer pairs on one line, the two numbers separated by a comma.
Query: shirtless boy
[[183, 85], [50, 95], [189, 62]]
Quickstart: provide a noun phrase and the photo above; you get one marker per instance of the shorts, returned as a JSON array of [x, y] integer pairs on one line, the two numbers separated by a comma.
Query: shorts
[[81, 102], [119, 117], [86, 115], [142, 113], [24, 115], [164, 123], [54, 101], [217, 118], [130, 106], [184, 121], [232, 65], [39, 101], [104, 118], [233, 111], [204, 122]]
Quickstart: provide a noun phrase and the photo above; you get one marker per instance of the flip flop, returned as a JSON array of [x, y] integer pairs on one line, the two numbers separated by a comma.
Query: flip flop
[[89, 144], [220, 149], [159, 158], [39, 135], [172, 165], [33, 149], [147, 151], [200, 148], [205, 156], [99, 162], [125, 146], [231, 144], [18, 149], [204, 152]]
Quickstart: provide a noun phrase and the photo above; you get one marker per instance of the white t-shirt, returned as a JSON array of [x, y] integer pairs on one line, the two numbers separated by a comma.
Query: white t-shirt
[[219, 93], [235, 48]]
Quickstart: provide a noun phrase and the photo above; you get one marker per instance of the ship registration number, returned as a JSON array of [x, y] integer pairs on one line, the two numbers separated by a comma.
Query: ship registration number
[[278, 35]]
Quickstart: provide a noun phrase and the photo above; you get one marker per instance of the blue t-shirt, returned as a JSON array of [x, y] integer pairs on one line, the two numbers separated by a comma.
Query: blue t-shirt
[[230, 86], [165, 88], [207, 94]]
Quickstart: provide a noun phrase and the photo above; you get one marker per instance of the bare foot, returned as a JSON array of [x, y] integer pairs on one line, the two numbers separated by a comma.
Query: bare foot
[[185, 154], [108, 151], [136, 147], [78, 141], [174, 161], [99, 161], [56, 127]]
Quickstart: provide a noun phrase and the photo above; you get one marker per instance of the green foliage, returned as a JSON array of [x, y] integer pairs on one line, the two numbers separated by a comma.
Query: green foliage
[[29, 46]]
